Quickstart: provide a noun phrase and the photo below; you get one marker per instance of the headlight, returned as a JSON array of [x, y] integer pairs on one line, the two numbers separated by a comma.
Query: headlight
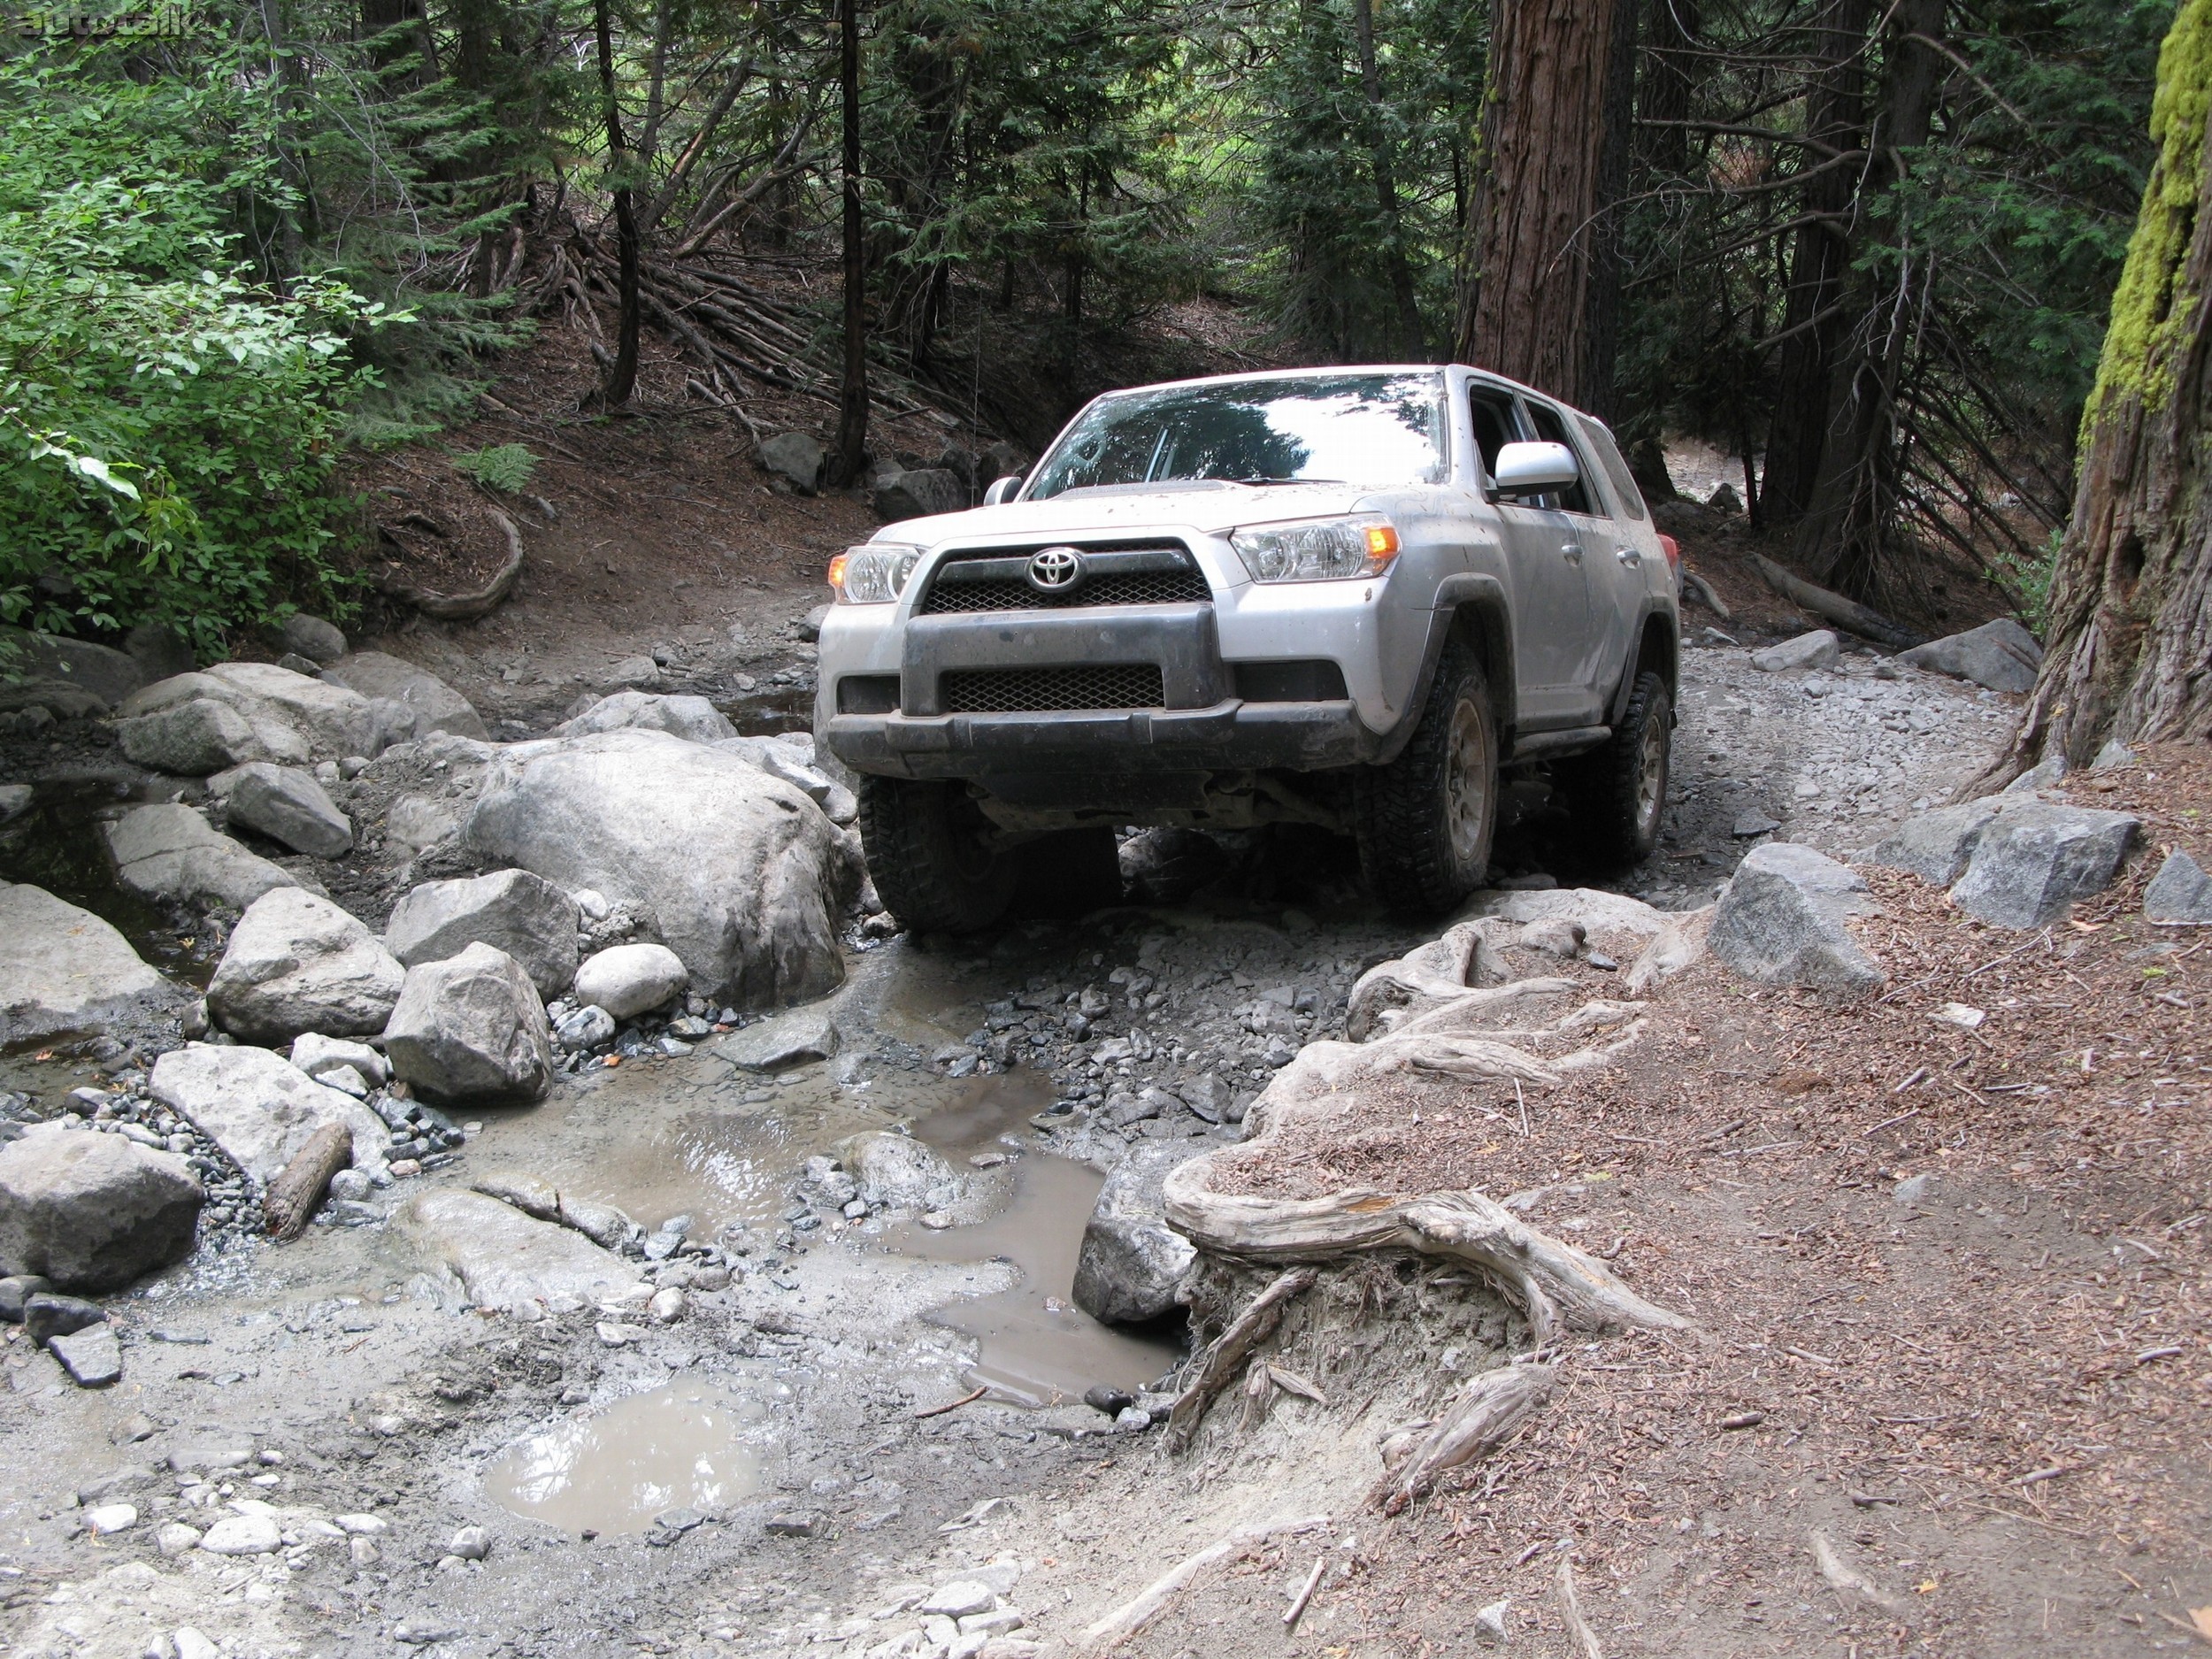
[[1317, 550], [874, 574]]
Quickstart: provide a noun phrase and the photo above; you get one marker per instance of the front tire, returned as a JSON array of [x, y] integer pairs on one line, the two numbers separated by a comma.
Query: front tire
[[1617, 794], [933, 856], [1424, 822]]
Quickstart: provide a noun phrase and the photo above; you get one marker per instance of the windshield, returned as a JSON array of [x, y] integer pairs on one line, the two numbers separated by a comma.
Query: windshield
[[1375, 430]]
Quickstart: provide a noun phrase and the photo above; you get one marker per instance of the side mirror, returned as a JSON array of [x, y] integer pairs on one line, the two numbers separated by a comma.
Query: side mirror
[[1001, 491], [1531, 469]]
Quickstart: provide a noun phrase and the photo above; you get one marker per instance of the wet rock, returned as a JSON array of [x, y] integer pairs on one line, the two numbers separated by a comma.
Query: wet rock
[[693, 719], [313, 638], [798, 1038], [259, 1107], [795, 456], [1820, 649], [1935, 846], [243, 1535], [897, 1172], [93, 1356], [316, 1055], [48, 1314], [2180, 892], [236, 712], [296, 964], [585, 1028], [508, 1260], [1130, 1263], [917, 493], [64, 971], [287, 805], [15, 1290], [1781, 922], [168, 851], [1112, 1401], [529, 919], [2035, 858], [627, 980], [92, 1212], [532, 1194], [603, 1224], [738, 872], [435, 705], [472, 1028], [2001, 656]]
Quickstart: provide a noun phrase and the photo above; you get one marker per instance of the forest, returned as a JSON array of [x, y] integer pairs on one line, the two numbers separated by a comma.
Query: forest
[[1870, 248]]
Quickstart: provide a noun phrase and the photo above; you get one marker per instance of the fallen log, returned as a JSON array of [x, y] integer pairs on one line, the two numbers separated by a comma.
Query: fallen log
[[1698, 588], [1490, 1411], [294, 1196], [461, 607], [1831, 607], [1133, 1615]]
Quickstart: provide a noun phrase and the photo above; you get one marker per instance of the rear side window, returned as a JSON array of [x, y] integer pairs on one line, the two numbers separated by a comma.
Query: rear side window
[[1493, 427], [1616, 465], [1551, 429]]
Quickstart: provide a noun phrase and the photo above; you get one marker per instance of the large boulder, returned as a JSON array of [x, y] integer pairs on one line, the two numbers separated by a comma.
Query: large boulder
[[437, 706], [286, 805], [2035, 858], [1132, 1262], [472, 1028], [2001, 655], [627, 980], [918, 493], [797, 1038], [90, 1212], [736, 872], [1935, 846], [1781, 922], [226, 715], [1820, 649], [313, 638], [529, 919], [897, 1172], [508, 1260], [297, 963], [795, 457], [65, 973], [2180, 892], [686, 716], [47, 659], [168, 851], [259, 1107]]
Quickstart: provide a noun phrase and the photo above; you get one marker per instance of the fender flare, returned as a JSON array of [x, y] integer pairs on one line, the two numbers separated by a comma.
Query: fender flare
[[1486, 596], [1671, 669]]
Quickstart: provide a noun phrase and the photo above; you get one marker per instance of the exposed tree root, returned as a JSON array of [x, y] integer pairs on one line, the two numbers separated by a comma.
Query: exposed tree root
[[1133, 1615], [1226, 1355], [1489, 1413]]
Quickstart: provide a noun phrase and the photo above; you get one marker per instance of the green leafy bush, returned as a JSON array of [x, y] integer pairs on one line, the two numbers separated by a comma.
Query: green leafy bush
[[506, 467]]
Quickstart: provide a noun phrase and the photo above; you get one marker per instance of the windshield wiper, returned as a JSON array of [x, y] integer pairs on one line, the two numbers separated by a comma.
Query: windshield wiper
[[1283, 481]]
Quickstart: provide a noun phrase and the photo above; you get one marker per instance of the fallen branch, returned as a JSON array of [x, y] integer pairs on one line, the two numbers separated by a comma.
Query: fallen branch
[[1490, 1411], [1229, 1350], [461, 607], [1133, 1615], [1313, 1583], [965, 1399], [1701, 590], [1570, 1611], [294, 1195], [1830, 607], [1843, 1576]]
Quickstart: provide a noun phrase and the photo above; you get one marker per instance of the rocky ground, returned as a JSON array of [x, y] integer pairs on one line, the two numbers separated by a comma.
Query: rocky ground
[[647, 1324]]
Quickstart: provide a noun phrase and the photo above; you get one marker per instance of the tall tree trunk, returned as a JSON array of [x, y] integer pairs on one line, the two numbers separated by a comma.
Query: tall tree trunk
[[1527, 312], [1814, 323], [1838, 541], [1413, 344], [852, 414], [2128, 646], [1670, 31], [621, 377], [1602, 302]]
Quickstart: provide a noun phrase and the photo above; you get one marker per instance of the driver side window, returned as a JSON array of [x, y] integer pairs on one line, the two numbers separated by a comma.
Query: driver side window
[[1550, 428], [1494, 428]]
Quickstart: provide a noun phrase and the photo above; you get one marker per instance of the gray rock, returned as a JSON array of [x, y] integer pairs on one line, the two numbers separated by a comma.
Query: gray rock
[[918, 493], [2001, 656], [287, 805], [91, 1212], [316, 1054], [627, 980], [1130, 1262], [795, 457], [2045, 774], [2114, 755], [93, 1356], [193, 737], [804, 1035], [435, 705], [635, 670], [64, 971], [896, 1171], [259, 1107], [529, 919], [472, 1029], [1820, 649], [603, 1224], [2180, 892], [106, 674], [2036, 858], [177, 725], [738, 872], [585, 1028], [160, 652], [15, 1290], [1935, 846], [506, 1259], [693, 719], [811, 624], [1780, 922], [317, 640], [16, 799], [1750, 824], [297, 963], [50, 1314], [168, 851]]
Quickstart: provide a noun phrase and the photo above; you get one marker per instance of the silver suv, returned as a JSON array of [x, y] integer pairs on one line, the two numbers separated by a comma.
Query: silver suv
[[1347, 598]]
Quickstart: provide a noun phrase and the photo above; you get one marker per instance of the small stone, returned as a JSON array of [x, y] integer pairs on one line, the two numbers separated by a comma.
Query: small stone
[[104, 1518], [175, 1538], [1113, 1401], [2179, 894], [679, 1520], [363, 1551], [627, 980], [1132, 1420], [351, 1186], [793, 1526], [15, 1290], [960, 1599], [1747, 825], [585, 1028], [612, 1333], [666, 1306], [471, 1543], [243, 1535], [1490, 1624], [1820, 649], [360, 1525], [190, 1644], [48, 1314]]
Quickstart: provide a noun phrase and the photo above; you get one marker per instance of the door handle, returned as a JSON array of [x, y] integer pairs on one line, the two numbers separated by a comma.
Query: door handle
[[1629, 556], [1571, 551]]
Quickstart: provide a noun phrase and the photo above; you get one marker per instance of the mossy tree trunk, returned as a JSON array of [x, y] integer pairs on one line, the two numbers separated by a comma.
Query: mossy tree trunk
[[2129, 644]]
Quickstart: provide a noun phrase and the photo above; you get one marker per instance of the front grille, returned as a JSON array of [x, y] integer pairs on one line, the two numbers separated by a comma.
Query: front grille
[[1156, 574], [1037, 690]]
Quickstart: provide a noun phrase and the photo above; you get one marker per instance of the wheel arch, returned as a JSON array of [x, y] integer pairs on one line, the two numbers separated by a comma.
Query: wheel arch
[[1658, 651]]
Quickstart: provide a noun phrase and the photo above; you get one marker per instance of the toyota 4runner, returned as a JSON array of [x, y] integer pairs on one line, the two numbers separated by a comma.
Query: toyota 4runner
[[1348, 597]]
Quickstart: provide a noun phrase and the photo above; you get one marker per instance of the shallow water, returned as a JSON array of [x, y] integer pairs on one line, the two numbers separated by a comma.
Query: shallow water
[[680, 1446]]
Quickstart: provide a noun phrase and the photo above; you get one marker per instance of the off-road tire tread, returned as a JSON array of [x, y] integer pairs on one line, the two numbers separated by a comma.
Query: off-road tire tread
[[1404, 842], [1600, 787], [902, 831]]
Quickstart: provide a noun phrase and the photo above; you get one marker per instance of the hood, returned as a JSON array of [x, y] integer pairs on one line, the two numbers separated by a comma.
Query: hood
[[1212, 511]]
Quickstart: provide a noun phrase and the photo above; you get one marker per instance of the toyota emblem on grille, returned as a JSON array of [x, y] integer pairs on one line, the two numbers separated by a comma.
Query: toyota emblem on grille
[[1055, 570]]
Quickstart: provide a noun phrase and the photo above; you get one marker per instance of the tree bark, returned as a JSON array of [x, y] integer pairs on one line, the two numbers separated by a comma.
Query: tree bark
[[291, 1202], [1413, 344], [1527, 313], [1663, 101], [2128, 647], [852, 418], [621, 375]]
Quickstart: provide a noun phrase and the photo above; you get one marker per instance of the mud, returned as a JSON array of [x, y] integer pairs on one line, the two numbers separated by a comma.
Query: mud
[[677, 1447]]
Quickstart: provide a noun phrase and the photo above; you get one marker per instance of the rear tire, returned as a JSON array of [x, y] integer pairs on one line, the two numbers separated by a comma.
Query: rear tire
[[1617, 794], [932, 857], [1423, 821]]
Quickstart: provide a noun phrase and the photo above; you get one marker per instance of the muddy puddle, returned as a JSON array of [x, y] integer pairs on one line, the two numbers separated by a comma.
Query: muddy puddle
[[683, 1445]]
